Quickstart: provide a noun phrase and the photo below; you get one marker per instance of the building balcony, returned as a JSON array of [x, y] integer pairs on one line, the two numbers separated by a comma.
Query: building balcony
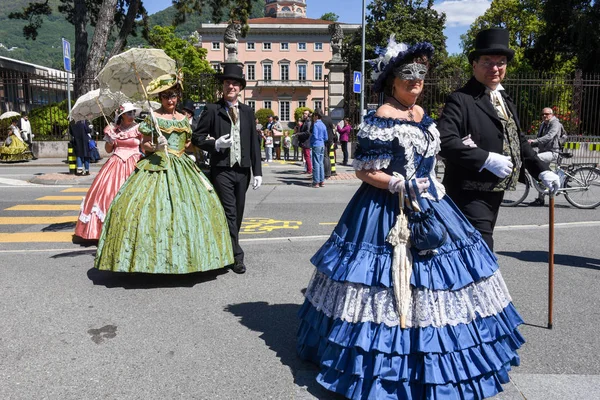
[[285, 83]]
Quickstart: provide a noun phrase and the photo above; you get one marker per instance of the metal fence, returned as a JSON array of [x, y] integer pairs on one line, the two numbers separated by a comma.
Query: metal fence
[[575, 98]]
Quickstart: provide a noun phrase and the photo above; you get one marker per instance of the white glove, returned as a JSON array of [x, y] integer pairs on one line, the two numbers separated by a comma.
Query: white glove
[[162, 143], [257, 182], [395, 185], [224, 142], [498, 164], [467, 141], [550, 180]]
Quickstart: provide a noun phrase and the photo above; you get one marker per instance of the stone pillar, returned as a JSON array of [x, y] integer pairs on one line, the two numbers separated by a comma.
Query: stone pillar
[[336, 90]]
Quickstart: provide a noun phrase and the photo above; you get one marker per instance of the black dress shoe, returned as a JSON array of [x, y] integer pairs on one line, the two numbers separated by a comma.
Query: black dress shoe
[[537, 203], [239, 267]]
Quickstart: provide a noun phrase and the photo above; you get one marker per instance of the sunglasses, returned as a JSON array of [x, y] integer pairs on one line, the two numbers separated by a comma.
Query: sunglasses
[[166, 96], [546, 113]]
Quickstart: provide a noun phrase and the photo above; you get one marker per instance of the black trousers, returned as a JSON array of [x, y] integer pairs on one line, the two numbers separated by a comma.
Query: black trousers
[[345, 152], [480, 208], [231, 184]]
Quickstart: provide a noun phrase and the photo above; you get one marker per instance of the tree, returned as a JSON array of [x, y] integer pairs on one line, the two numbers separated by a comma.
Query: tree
[[333, 17], [239, 10], [522, 18], [412, 21], [105, 16]]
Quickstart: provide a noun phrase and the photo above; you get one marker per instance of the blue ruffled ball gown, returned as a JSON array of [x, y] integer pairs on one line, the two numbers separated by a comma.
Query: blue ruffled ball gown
[[461, 336]]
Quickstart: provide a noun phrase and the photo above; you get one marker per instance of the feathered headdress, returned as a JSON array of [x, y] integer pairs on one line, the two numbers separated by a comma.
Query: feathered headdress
[[393, 55]]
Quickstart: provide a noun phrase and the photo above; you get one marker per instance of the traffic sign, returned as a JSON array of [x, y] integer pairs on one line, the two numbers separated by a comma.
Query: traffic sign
[[66, 46], [357, 82]]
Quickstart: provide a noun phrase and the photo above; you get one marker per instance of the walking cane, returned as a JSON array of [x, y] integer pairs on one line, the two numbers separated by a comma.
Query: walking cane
[[550, 258]]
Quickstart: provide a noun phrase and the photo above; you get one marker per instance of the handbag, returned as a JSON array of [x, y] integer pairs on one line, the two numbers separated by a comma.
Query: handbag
[[427, 233]]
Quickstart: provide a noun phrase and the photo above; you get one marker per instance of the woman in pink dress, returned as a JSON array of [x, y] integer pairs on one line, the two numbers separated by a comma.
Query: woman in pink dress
[[123, 139]]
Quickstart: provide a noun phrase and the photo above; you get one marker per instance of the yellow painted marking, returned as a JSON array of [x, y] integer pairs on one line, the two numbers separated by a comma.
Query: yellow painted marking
[[76, 190], [327, 223], [264, 225], [45, 207], [36, 237], [59, 198], [36, 220]]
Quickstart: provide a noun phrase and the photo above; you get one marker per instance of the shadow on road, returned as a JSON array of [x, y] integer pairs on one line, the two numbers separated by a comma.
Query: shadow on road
[[77, 253], [567, 260], [278, 324], [59, 227], [150, 281]]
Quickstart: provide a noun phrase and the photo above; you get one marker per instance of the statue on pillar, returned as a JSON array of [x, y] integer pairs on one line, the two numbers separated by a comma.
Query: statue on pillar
[[231, 38], [337, 37]]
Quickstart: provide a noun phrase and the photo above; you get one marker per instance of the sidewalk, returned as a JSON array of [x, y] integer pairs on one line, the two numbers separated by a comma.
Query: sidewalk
[[277, 172]]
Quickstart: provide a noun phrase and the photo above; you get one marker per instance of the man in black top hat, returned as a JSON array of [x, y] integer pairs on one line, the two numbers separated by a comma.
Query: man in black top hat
[[227, 130], [483, 146]]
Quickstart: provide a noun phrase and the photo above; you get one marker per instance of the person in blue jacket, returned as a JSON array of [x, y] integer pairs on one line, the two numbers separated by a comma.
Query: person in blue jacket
[[317, 143]]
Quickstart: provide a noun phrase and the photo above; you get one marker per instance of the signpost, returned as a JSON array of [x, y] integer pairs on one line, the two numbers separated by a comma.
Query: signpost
[[357, 85], [66, 48]]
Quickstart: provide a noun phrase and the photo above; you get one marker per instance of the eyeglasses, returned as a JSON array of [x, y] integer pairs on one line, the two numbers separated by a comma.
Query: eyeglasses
[[546, 113], [169, 96], [491, 64]]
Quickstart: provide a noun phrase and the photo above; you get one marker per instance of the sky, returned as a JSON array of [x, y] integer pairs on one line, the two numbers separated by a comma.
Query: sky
[[459, 14]]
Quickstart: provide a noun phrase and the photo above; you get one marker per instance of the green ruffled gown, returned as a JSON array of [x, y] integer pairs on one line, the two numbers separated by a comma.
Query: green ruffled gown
[[166, 218]]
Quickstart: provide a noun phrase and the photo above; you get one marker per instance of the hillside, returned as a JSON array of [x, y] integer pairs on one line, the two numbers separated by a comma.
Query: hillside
[[46, 49]]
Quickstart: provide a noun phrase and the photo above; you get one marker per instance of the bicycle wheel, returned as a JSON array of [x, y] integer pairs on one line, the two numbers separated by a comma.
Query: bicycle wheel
[[513, 198], [583, 187]]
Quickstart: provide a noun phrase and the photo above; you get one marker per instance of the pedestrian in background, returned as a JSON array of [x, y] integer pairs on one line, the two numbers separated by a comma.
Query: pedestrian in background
[[81, 134], [269, 147], [344, 132], [304, 140], [287, 143], [27, 132], [277, 130], [317, 144], [295, 143]]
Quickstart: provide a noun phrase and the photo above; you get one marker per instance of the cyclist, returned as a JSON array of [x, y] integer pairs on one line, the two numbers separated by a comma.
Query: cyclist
[[547, 142]]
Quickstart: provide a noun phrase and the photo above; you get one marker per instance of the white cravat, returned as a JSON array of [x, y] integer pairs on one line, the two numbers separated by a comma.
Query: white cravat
[[498, 101]]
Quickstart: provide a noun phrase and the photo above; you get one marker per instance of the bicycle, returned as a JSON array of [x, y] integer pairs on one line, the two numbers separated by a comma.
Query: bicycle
[[580, 183]]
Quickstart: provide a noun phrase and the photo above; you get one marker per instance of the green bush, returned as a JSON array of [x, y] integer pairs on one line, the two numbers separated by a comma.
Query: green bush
[[299, 111], [263, 115], [50, 122]]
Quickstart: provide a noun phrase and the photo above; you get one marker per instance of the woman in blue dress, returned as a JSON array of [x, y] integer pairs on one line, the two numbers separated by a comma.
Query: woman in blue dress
[[457, 336]]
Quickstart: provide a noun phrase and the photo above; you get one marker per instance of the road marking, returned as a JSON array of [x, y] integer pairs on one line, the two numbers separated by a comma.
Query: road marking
[[16, 182], [44, 207], [76, 190], [265, 225], [36, 220], [59, 198], [36, 237], [327, 223], [545, 226]]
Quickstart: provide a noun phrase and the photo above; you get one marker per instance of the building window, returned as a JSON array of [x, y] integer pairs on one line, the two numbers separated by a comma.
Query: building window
[[301, 103], [250, 46], [267, 104], [318, 46], [252, 104], [301, 72], [319, 104], [267, 46], [216, 45], [250, 72], [302, 46], [267, 72], [284, 110], [285, 72], [318, 72], [285, 46]]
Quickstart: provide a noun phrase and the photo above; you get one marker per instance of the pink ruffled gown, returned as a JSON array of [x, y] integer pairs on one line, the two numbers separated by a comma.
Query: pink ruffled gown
[[111, 177]]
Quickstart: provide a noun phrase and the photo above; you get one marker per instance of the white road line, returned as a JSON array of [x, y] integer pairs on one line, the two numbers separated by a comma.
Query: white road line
[[16, 182]]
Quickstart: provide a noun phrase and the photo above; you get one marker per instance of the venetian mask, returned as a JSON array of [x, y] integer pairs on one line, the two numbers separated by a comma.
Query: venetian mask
[[411, 72]]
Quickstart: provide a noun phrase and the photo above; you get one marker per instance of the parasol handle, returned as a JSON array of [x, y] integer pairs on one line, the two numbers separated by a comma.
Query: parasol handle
[[550, 259], [102, 111]]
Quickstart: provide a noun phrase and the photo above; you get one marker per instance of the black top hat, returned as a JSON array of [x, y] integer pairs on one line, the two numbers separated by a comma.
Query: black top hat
[[232, 71], [188, 105], [493, 41]]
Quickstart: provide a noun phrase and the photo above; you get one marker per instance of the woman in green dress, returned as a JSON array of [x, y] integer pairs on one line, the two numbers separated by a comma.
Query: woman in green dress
[[166, 218], [14, 148]]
